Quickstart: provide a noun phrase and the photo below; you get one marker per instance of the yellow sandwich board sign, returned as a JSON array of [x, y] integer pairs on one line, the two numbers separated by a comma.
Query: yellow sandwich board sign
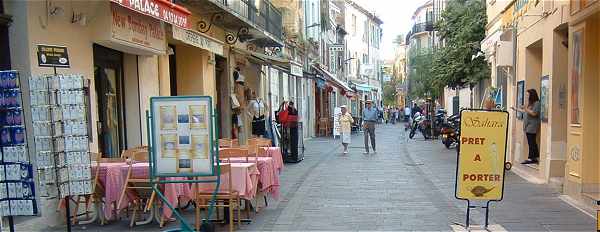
[[482, 154]]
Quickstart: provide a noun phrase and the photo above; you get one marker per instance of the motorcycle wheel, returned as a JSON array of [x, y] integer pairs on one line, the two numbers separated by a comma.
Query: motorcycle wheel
[[448, 143], [411, 134]]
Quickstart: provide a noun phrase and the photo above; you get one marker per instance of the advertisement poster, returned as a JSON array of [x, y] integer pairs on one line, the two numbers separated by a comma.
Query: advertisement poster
[[544, 91], [181, 134], [480, 163], [520, 97], [337, 126]]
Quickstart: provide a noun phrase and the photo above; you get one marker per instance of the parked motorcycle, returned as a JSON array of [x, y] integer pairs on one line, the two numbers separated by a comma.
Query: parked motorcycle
[[449, 131], [438, 121], [421, 123]]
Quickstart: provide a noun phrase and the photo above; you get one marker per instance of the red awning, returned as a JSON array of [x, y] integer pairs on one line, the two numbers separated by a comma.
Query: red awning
[[163, 10]]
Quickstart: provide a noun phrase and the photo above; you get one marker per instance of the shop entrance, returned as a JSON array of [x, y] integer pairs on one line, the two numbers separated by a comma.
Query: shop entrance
[[223, 106], [108, 77]]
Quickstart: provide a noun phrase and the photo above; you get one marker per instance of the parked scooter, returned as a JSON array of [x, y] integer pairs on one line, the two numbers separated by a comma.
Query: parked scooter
[[449, 131], [421, 123]]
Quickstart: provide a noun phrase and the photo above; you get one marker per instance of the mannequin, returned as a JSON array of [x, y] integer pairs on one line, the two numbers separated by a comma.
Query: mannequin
[[241, 94], [257, 111]]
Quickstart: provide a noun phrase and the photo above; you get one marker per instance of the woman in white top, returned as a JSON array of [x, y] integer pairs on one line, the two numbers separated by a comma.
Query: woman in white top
[[346, 127]]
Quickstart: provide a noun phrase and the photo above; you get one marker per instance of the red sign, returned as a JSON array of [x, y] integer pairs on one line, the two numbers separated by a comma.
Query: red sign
[[163, 10]]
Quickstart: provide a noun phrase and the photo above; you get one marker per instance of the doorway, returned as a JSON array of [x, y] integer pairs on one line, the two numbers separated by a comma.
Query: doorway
[[108, 77], [223, 106]]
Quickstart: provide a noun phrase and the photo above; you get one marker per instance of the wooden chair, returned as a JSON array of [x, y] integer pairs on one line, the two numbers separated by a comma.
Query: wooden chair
[[141, 186], [323, 125], [225, 143], [228, 153], [226, 198]]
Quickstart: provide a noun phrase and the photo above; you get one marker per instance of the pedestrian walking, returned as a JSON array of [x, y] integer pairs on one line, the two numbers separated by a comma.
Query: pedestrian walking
[[369, 119], [346, 127], [531, 125]]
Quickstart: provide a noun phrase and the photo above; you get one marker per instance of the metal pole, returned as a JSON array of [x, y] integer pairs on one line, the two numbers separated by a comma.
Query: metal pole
[[468, 213], [487, 214], [11, 224], [68, 213]]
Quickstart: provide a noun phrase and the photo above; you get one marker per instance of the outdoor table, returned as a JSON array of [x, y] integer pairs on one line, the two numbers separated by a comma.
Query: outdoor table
[[244, 180], [269, 173], [275, 153], [112, 176]]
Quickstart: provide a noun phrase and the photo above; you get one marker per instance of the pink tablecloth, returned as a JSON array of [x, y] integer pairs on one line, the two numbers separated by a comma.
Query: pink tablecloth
[[275, 153], [269, 173], [244, 181], [112, 176]]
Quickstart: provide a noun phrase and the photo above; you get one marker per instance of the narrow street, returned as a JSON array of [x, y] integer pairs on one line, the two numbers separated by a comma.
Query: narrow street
[[407, 185]]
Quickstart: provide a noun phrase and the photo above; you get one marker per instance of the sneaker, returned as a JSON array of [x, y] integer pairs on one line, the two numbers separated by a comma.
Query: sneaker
[[374, 152], [366, 152], [345, 152]]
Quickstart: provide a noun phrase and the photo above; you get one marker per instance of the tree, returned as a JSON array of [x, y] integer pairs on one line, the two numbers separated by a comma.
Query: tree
[[399, 39], [389, 92], [462, 27], [423, 83]]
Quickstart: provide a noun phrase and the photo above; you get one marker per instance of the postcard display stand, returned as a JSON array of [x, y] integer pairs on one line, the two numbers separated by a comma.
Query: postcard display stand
[[17, 192], [59, 106]]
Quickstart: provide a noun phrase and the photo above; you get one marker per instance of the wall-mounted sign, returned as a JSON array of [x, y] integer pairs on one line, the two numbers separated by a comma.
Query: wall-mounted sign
[[181, 136], [132, 28], [163, 10], [480, 163], [197, 40], [52, 56], [295, 69]]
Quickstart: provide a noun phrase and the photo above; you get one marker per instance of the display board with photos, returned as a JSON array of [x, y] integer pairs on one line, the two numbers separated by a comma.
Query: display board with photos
[[59, 107], [182, 135], [17, 188]]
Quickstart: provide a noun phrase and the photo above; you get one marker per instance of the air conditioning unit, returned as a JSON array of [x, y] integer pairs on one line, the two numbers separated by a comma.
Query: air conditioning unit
[[504, 54]]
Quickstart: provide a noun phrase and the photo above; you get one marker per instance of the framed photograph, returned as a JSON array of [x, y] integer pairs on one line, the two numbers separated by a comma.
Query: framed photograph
[[198, 115], [544, 91], [168, 117], [168, 144], [181, 135], [520, 97], [576, 72]]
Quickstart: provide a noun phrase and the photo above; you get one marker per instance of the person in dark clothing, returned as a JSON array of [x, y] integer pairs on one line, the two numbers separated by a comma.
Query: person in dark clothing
[[531, 125], [292, 131], [415, 109]]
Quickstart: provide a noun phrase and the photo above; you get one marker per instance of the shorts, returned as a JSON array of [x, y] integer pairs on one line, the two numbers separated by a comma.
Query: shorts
[[346, 137]]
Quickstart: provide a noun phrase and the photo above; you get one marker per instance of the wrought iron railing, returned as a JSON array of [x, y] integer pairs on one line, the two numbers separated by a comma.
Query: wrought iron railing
[[261, 13]]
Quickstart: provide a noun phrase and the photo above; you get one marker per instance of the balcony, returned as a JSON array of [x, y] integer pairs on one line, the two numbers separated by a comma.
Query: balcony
[[261, 19]]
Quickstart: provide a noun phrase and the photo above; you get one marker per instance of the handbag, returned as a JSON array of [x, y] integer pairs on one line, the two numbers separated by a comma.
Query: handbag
[[234, 102]]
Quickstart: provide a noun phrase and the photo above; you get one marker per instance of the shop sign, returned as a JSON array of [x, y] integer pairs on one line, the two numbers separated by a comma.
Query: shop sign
[[137, 29], [197, 40], [336, 47], [295, 69], [162, 10], [481, 159], [52, 56]]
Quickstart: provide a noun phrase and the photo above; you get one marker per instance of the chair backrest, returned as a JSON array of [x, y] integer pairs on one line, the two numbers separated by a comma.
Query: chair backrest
[[228, 153], [140, 155], [225, 143]]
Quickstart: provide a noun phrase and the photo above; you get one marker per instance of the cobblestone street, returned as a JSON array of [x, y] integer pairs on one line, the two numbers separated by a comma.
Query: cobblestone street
[[407, 185]]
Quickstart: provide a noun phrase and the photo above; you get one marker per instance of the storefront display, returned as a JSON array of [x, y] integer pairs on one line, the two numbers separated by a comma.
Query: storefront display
[[181, 134], [59, 104], [17, 189]]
